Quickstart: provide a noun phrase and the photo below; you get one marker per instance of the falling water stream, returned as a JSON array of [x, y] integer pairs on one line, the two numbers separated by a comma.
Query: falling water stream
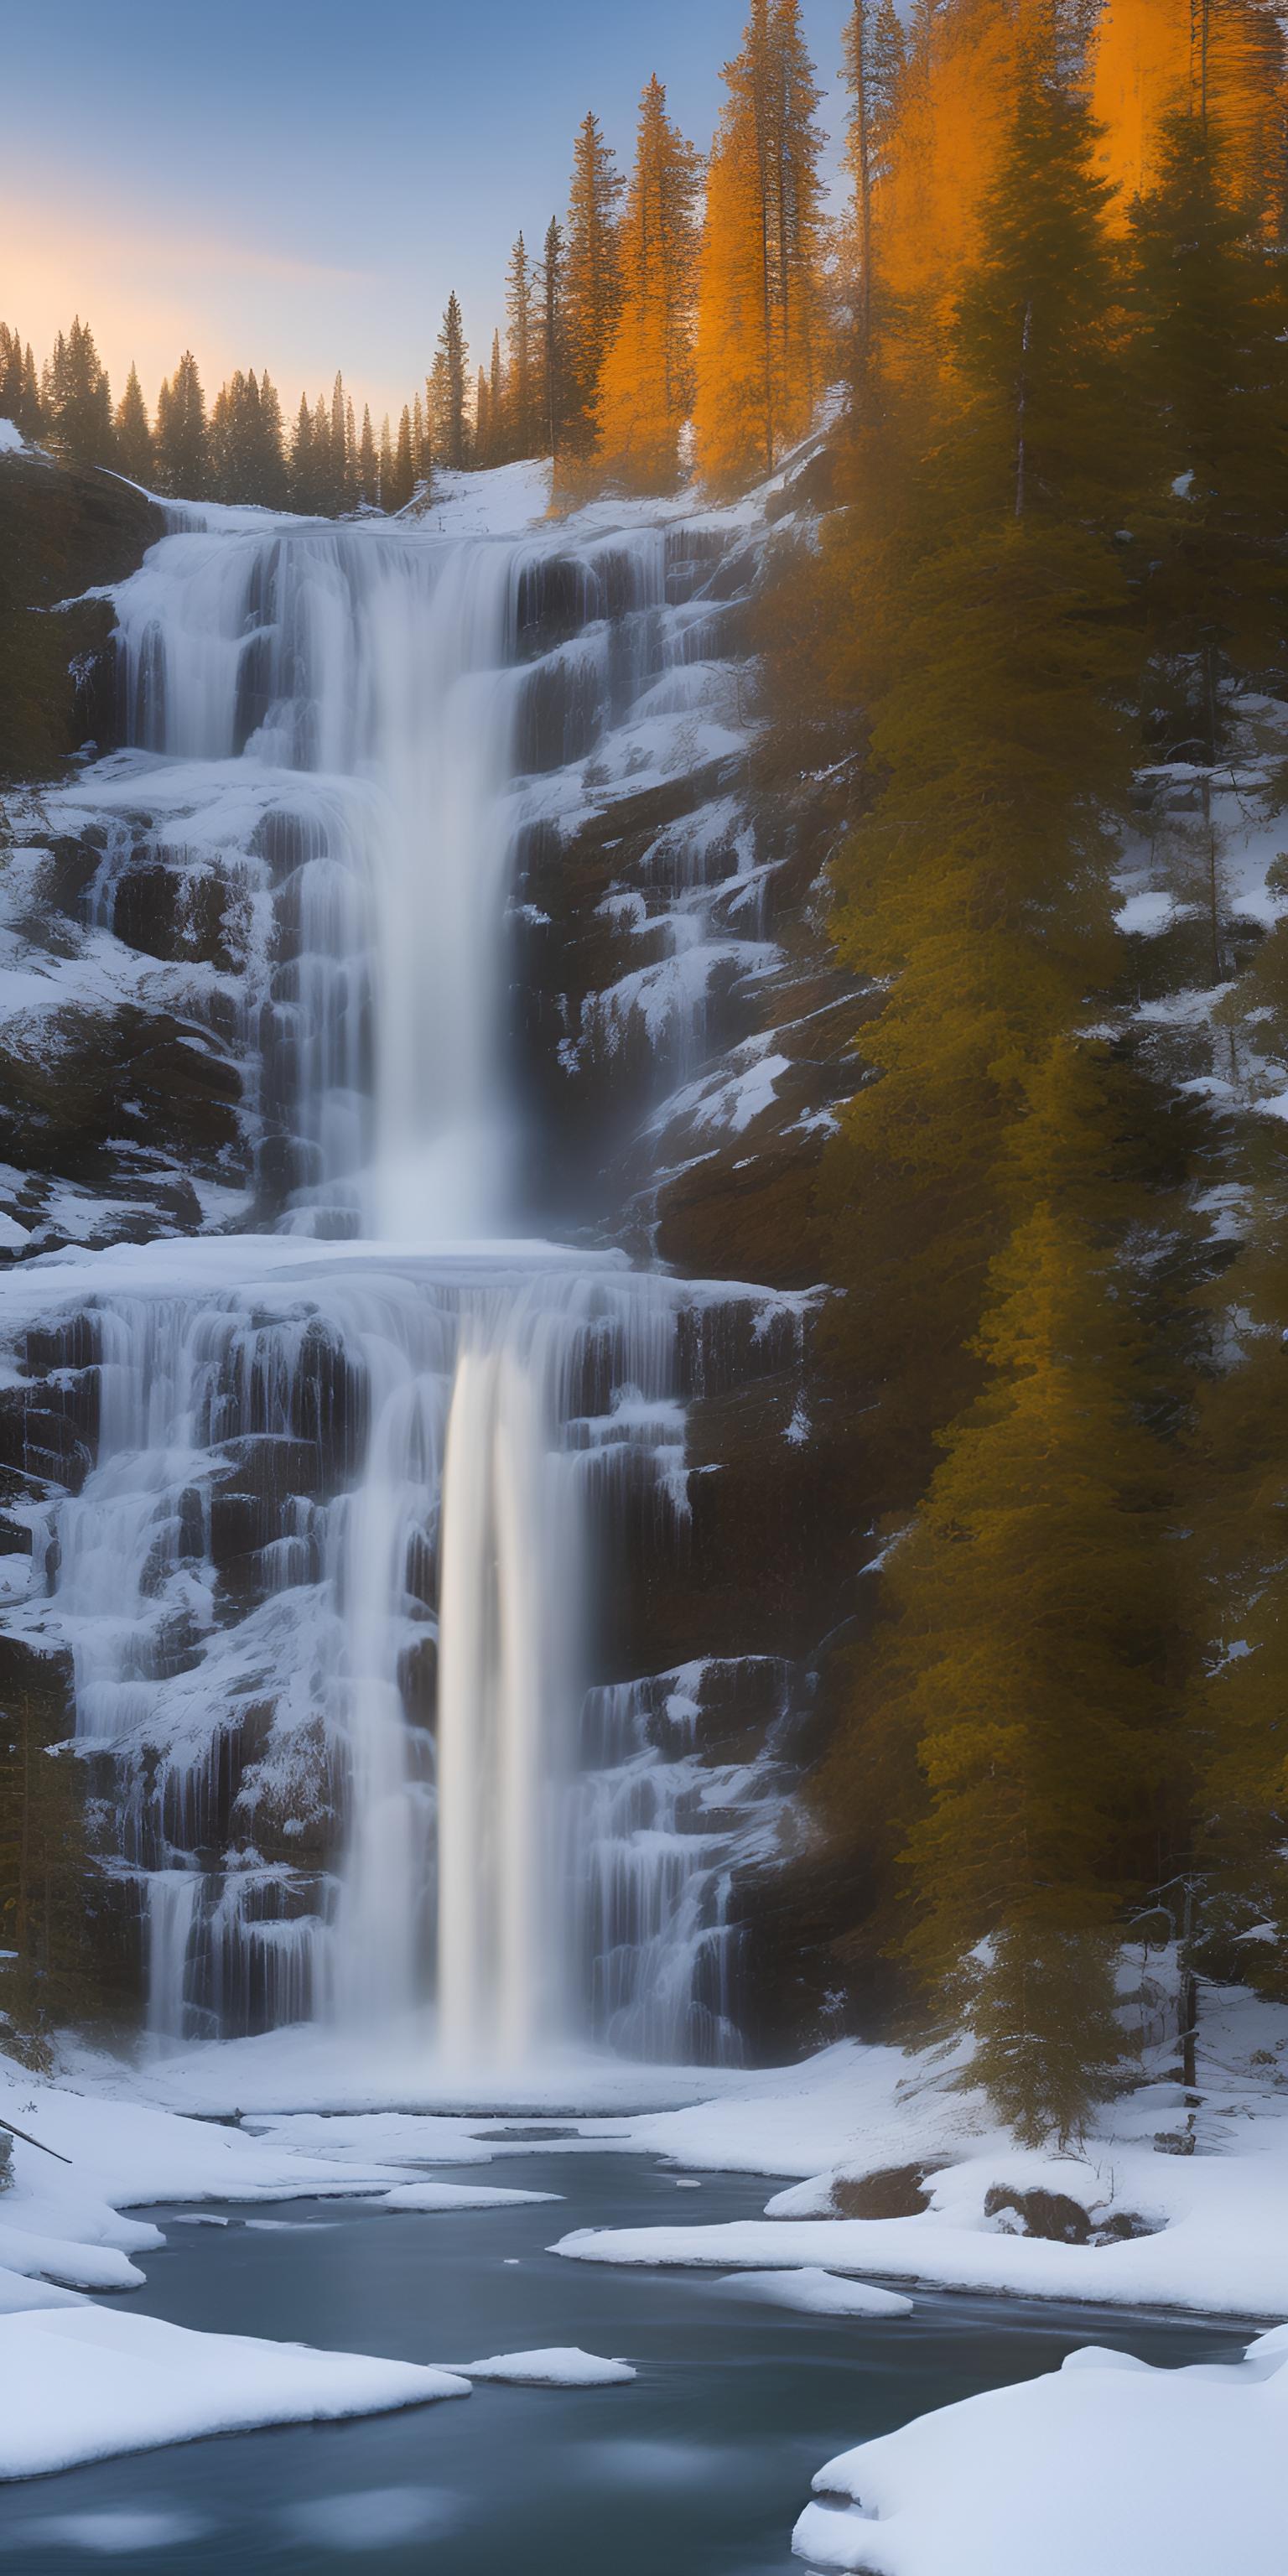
[[325, 1589]]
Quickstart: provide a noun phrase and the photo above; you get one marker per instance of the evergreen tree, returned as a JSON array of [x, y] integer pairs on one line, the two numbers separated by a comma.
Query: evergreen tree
[[482, 421], [368, 483], [557, 390], [646, 383], [1214, 364], [1028, 1655], [404, 470], [496, 405], [593, 274], [451, 364], [182, 443], [523, 344], [303, 476], [271, 486], [386, 466], [340, 451], [19, 385], [76, 399], [133, 432]]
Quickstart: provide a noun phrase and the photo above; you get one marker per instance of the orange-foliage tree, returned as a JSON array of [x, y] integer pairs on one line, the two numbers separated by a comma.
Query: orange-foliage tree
[[646, 385], [760, 336]]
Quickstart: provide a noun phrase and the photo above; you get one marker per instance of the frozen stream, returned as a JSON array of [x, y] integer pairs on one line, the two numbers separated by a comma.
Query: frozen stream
[[699, 2467]]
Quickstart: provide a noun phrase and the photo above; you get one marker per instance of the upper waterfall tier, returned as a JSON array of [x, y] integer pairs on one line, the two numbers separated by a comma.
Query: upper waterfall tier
[[360, 703]]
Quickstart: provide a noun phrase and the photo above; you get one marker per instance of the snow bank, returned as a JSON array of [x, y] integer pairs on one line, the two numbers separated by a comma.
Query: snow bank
[[12, 442], [83, 2384], [1105, 2465], [557, 2366], [62, 2223], [818, 2294], [1221, 2242]]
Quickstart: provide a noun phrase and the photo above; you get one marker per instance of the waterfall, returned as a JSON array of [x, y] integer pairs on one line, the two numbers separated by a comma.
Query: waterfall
[[325, 1589]]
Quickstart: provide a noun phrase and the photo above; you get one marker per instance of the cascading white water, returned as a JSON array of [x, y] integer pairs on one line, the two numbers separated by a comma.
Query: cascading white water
[[331, 1561]]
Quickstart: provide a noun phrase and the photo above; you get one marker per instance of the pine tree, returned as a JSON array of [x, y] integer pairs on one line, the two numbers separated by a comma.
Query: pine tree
[[1028, 1654], [270, 481], [1214, 365], [302, 477], [556, 383], [497, 406], [386, 466], [19, 385], [593, 274], [404, 470], [133, 433], [182, 444], [368, 484], [76, 399], [451, 363], [523, 375], [482, 421], [646, 383]]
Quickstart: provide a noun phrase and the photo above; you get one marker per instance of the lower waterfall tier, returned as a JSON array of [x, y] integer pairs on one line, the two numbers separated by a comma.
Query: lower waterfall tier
[[327, 1594]]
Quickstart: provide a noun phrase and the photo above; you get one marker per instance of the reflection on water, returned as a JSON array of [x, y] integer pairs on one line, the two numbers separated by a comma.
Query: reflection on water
[[698, 2468]]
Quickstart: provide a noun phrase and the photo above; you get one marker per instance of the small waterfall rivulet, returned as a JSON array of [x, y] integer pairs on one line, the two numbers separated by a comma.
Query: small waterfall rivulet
[[328, 1587]]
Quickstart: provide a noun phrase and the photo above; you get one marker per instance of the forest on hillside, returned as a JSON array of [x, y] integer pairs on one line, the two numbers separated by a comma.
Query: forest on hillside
[[1038, 624]]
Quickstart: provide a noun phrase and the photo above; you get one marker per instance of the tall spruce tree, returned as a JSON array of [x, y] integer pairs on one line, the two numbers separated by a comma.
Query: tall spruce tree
[[523, 344], [450, 381], [133, 432], [556, 378], [593, 274], [368, 476], [182, 442]]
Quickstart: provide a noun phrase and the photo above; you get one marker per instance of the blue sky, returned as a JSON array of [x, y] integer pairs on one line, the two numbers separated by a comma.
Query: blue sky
[[299, 183]]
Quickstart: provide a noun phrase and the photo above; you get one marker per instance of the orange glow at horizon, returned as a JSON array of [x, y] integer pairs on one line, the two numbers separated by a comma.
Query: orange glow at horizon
[[148, 295]]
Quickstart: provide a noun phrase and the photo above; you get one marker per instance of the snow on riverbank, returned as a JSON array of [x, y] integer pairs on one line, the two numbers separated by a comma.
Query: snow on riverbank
[[1105, 2465], [84, 2384]]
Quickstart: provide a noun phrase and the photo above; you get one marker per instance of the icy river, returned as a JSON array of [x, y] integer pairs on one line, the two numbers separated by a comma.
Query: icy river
[[698, 2467]]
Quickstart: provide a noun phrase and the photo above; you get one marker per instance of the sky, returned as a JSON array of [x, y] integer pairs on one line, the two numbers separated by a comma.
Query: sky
[[299, 184]]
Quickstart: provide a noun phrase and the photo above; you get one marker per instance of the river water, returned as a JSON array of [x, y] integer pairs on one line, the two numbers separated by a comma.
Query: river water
[[697, 2468]]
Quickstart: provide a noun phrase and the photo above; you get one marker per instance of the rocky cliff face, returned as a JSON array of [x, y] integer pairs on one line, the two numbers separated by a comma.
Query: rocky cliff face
[[678, 1040]]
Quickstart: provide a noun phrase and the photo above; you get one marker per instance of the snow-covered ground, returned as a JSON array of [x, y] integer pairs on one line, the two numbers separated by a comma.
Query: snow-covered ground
[[1105, 2465], [1103, 2468]]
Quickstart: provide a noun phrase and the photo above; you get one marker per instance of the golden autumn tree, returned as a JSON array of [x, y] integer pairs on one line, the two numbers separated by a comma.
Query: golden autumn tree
[[1154, 60], [760, 337], [646, 383], [872, 70]]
